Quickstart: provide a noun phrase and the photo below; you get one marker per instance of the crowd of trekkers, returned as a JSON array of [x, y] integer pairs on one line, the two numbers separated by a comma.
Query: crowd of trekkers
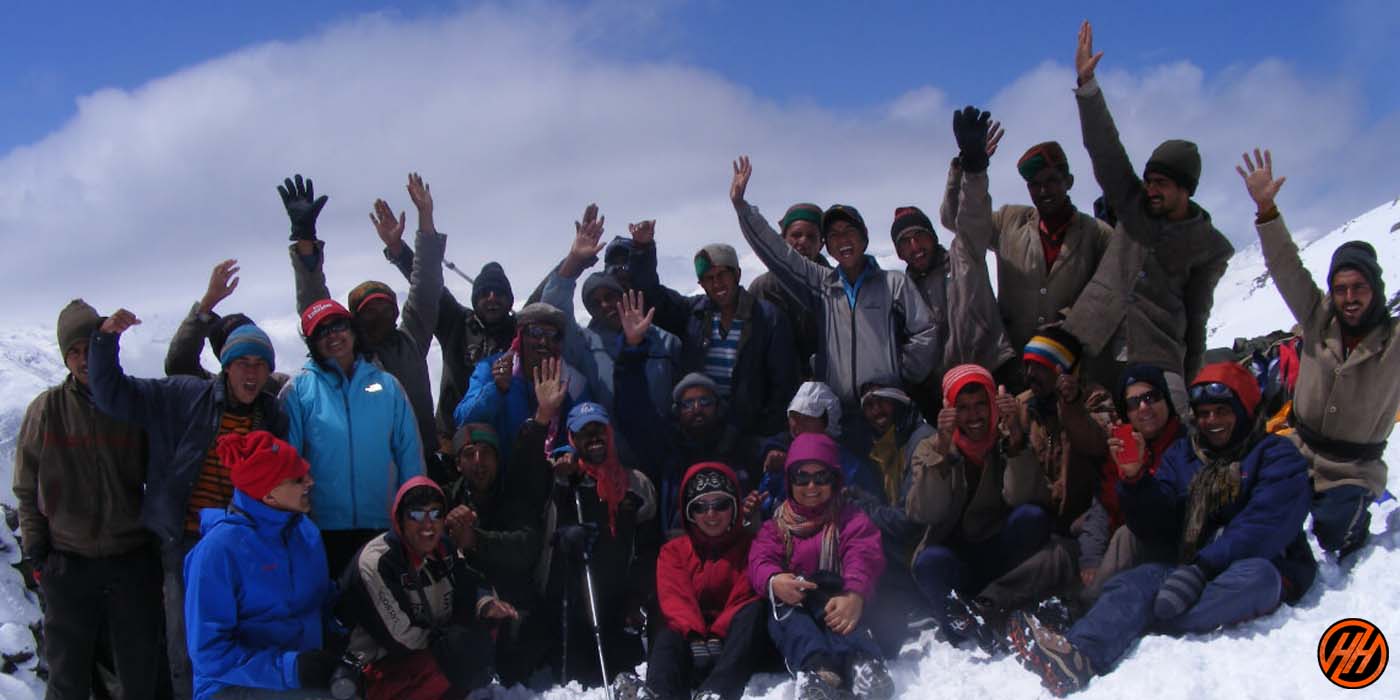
[[804, 473]]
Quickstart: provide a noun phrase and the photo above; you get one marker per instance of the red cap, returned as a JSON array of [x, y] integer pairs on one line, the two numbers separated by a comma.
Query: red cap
[[1240, 381], [258, 461], [319, 312]]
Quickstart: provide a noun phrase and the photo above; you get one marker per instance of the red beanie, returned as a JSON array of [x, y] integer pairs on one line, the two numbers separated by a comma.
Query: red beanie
[[1240, 381], [958, 377], [319, 312], [258, 462]]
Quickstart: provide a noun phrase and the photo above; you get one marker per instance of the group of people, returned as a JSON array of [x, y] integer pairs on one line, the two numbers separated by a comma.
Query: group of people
[[805, 472]]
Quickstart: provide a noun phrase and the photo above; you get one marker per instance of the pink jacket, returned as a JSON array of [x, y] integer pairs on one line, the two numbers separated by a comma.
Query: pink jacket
[[862, 560]]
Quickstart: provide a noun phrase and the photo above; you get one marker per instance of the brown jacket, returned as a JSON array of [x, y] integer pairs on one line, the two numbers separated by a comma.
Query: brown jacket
[[1064, 450], [1353, 399], [939, 500], [976, 334], [1028, 294], [79, 477], [1157, 279]]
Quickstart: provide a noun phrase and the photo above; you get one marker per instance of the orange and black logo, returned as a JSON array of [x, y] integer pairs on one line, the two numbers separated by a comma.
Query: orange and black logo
[[1352, 653]]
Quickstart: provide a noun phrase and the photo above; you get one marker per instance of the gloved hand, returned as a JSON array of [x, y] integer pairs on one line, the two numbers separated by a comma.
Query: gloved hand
[[970, 127], [303, 206], [314, 668], [576, 540], [1180, 590]]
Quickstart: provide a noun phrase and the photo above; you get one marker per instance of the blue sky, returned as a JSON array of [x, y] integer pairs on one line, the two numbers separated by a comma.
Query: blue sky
[[839, 55]]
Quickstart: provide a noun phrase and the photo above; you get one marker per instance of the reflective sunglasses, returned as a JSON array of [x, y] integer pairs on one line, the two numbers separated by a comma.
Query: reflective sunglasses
[[1146, 398], [699, 508], [419, 516], [537, 332], [826, 477], [339, 325], [692, 403], [1210, 391]]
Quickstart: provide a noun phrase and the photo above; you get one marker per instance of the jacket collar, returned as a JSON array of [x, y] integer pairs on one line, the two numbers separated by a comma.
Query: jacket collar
[[262, 517]]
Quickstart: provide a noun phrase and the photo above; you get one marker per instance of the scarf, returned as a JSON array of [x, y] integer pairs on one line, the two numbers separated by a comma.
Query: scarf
[[1214, 487], [797, 522], [887, 457], [610, 477], [975, 451]]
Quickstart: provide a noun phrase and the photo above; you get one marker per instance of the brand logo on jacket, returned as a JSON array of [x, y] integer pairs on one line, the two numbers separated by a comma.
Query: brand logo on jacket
[[1352, 653]]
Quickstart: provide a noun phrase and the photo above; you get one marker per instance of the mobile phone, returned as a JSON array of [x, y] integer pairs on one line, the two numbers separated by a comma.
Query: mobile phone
[[1131, 452]]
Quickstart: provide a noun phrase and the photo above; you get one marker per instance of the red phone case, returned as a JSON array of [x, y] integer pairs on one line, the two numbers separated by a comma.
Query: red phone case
[[1130, 452]]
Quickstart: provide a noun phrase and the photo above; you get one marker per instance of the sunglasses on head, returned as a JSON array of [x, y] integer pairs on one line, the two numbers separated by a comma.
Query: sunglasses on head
[[1210, 391], [699, 508], [1146, 398], [824, 477], [419, 516], [536, 332], [339, 325], [692, 403]]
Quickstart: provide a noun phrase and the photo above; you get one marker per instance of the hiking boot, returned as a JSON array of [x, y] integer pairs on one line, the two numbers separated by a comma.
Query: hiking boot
[[1062, 669], [976, 622], [821, 684], [1055, 614], [871, 680], [707, 695], [629, 686]]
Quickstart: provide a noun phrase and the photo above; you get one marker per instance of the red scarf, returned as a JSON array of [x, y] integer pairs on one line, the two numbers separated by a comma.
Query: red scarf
[[610, 477], [954, 380]]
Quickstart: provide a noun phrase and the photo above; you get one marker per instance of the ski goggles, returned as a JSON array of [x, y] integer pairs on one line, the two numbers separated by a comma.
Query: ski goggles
[[825, 477], [419, 516], [1210, 391]]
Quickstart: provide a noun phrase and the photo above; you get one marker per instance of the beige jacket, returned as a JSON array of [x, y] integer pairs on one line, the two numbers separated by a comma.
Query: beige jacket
[[939, 499]]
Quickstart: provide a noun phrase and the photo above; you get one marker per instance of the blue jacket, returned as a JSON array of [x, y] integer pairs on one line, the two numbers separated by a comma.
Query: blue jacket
[[360, 436], [507, 412], [1275, 495], [256, 594], [181, 418]]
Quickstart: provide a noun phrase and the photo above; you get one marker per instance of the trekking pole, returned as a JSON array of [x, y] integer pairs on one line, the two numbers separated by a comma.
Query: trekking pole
[[564, 657], [448, 264], [593, 602]]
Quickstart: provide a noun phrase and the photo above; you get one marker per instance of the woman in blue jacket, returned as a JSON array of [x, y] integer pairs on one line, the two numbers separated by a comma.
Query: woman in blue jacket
[[353, 423], [257, 583]]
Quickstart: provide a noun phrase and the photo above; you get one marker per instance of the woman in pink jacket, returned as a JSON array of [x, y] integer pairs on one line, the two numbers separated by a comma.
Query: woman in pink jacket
[[817, 561]]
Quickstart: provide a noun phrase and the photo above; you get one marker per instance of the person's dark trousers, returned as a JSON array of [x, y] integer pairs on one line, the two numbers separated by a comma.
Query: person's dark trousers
[[671, 673], [1342, 518], [966, 567], [800, 637], [172, 560], [1246, 589], [114, 596], [342, 546], [897, 602]]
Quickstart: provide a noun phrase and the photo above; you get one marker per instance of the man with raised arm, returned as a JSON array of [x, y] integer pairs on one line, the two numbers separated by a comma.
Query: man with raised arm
[[801, 227], [1349, 371]]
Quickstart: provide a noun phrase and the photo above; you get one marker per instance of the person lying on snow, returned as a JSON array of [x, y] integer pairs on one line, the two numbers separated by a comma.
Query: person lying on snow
[[1232, 499], [817, 561]]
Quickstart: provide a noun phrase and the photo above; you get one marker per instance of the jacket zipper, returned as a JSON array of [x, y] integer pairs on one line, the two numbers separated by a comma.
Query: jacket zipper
[[855, 381], [350, 440]]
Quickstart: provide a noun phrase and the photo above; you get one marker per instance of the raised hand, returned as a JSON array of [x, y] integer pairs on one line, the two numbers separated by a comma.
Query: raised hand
[[501, 370], [461, 527], [1117, 449], [643, 232], [947, 423], [303, 206], [588, 234], [970, 128], [994, 134], [635, 324], [118, 322], [749, 508], [422, 197], [222, 281], [390, 229], [1009, 411], [775, 461], [743, 170], [1259, 179], [1085, 60], [551, 386]]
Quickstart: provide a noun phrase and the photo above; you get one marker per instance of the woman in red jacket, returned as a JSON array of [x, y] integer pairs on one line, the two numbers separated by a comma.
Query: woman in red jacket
[[713, 620]]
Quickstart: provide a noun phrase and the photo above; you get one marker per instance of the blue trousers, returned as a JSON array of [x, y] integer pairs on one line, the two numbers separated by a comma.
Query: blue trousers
[[1342, 518], [1246, 589], [968, 567], [803, 639]]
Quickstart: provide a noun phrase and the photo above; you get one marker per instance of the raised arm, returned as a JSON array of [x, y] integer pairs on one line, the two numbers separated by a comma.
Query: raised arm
[[800, 276], [182, 357], [1295, 284], [671, 308], [973, 221], [307, 253], [425, 287], [1114, 171]]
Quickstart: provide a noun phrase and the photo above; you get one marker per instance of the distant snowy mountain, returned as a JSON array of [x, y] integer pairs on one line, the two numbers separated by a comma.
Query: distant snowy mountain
[[29, 363]]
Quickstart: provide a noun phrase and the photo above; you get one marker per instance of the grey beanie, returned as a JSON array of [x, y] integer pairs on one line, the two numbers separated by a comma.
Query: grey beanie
[[596, 281], [77, 321], [540, 312], [691, 380], [1178, 160], [715, 255]]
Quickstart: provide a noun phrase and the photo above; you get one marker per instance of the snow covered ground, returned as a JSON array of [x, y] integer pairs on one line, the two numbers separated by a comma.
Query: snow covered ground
[[1275, 656]]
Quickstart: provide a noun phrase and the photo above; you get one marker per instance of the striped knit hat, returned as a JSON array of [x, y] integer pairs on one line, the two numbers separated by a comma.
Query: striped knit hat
[[1053, 347], [248, 341]]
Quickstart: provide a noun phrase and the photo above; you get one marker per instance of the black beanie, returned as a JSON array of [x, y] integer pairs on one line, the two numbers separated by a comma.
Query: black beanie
[[218, 333], [1146, 374], [594, 282], [1178, 160], [492, 278], [1361, 256], [844, 212], [910, 217]]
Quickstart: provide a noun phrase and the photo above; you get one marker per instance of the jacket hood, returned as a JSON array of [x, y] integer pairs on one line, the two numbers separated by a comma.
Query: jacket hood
[[817, 399], [814, 447], [738, 490], [409, 485]]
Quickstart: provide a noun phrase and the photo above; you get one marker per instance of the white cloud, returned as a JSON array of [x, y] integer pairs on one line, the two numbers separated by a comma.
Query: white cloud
[[517, 119]]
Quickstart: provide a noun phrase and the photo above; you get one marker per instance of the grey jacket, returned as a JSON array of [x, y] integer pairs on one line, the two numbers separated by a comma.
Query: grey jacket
[[976, 334], [1157, 279], [890, 332]]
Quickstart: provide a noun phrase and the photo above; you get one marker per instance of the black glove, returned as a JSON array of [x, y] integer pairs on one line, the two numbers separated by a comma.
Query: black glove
[[576, 541], [303, 206], [1180, 590], [970, 127], [314, 668]]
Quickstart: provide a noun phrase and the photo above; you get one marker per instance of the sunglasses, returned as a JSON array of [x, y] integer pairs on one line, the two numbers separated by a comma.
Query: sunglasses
[[339, 325], [692, 403], [826, 477], [1210, 391], [699, 508], [419, 516], [541, 332], [1146, 398]]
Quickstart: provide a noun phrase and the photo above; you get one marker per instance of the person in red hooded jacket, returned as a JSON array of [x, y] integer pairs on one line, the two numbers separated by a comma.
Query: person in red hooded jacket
[[713, 629]]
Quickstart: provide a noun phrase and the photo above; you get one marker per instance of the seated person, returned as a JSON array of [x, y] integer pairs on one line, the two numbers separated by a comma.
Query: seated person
[[813, 409], [420, 615], [257, 588], [818, 561], [713, 629], [1232, 499]]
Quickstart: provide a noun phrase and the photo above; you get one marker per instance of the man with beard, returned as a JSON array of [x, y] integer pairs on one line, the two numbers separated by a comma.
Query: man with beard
[[403, 350], [697, 431], [595, 349], [1151, 296], [1349, 375], [801, 228]]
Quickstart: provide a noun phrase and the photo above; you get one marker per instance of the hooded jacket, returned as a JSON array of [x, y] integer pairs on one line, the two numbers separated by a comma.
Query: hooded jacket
[[1350, 397], [181, 418], [360, 436], [484, 403], [404, 353], [257, 592], [701, 585], [890, 332]]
